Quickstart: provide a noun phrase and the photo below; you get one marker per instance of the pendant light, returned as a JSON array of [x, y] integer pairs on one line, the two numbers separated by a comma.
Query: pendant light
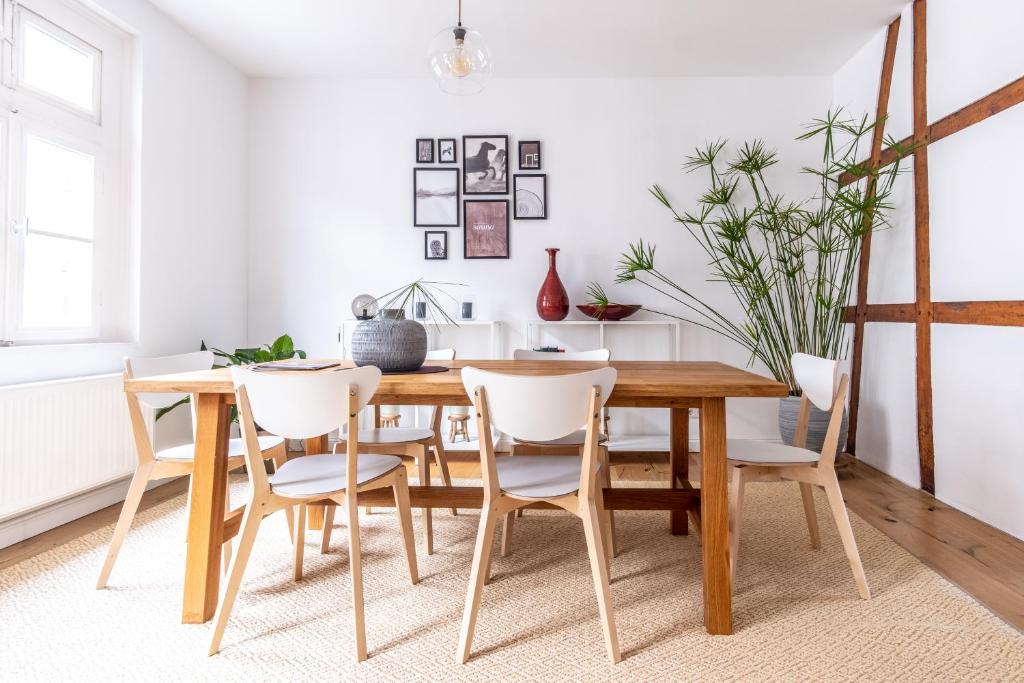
[[460, 59]]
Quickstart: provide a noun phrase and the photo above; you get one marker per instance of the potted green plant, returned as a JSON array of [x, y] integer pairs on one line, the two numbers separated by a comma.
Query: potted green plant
[[390, 341], [790, 265]]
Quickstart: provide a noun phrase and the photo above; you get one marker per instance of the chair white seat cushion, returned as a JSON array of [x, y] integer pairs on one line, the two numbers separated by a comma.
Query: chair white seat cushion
[[392, 435], [768, 453], [187, 452], [323, 474], [539, 476], [576, 438]]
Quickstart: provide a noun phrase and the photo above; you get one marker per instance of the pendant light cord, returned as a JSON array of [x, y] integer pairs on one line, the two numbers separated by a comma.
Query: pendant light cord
[[460, 12]]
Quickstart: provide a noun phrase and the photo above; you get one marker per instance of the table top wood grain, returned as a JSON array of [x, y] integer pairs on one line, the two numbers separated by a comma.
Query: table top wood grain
[[662, 384]]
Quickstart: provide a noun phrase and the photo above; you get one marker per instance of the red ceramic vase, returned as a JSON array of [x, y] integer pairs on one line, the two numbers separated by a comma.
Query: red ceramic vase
[[552, 301]]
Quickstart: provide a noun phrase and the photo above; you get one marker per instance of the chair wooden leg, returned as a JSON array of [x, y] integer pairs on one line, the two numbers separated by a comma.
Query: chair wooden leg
[[401, 489], [325, 539], [607, 516], [423, 460], [597, 550], [506, 533], [835, 501], [188, 506], [124, 521], [807, 495], [250, 525], [356, 566], [442, 465], [735, 516], [477, 577], [299, 541]]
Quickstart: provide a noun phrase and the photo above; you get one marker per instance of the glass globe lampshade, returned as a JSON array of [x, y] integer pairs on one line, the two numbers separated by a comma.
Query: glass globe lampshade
[[460, 60]]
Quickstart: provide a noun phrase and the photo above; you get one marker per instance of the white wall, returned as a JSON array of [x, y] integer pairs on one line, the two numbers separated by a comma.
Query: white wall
[[976, 241], [191, 204], [331, 192]]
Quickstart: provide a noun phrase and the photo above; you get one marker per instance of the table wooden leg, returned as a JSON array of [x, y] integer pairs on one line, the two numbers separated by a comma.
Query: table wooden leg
[[714, 507], [206, 510], [679, 462], [315, 513]]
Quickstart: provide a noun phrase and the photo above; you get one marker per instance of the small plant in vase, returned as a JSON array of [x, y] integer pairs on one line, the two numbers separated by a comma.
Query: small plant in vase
[[601, 308]]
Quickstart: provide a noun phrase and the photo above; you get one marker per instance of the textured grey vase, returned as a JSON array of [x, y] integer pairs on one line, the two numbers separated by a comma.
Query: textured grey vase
[[391, 342], [817, 425]]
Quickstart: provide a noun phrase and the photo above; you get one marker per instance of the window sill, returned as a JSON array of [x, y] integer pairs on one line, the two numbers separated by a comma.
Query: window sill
[[40, 362]]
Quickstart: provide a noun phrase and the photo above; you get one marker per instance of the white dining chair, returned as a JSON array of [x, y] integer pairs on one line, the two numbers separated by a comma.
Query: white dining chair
[[769, 461], [304, 406], [415, 442], [169, 462], [570, 444], [540, 408]]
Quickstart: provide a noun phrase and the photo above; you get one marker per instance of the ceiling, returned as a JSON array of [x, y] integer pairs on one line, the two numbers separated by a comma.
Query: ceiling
[[538, 38]]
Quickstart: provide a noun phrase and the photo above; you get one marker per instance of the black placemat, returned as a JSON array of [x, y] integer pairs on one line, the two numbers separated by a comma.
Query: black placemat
[[425, 370]]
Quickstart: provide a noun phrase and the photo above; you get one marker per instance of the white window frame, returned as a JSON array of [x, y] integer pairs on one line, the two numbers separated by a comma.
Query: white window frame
[[102, 133]]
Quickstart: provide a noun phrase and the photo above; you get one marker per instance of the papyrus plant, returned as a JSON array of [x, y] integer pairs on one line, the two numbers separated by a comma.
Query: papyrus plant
[[790, 264]]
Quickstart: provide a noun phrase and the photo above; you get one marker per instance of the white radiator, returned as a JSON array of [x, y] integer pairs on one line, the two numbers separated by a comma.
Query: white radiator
[[61, 438]]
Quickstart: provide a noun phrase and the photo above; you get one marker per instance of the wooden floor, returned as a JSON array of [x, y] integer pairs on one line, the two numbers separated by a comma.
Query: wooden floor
[[983, 561]]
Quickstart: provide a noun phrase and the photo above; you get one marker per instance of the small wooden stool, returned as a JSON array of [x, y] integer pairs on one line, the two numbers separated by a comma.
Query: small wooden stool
[[390, 416], [458, 425]]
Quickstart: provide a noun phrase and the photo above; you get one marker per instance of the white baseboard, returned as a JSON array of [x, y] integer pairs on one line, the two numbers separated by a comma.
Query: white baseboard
[[34, 522]]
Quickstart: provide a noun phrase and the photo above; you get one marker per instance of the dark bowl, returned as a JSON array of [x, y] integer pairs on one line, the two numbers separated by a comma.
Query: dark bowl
[[609, 312]]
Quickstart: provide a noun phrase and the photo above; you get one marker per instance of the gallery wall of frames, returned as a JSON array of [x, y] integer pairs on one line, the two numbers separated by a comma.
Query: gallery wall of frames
[[475, 194]]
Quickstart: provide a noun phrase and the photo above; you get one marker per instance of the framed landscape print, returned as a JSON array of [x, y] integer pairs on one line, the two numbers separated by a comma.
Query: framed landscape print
[[424, 150], [486, 231], [529, 155], [435, 245], [531, 196], [435, 197], [446, 153], [484, 164]]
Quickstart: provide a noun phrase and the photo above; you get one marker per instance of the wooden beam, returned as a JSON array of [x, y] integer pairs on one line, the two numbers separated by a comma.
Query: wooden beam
[[991, 313], [883, 313], [922, 251], [878, 135], [1010, 95]]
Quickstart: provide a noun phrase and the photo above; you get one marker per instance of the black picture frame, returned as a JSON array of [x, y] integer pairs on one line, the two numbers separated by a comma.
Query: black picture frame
[[467, 249], [416, 219], [523, 210], [455, 150], [533, 166], [472, 164], [427, 256], [422, 158]]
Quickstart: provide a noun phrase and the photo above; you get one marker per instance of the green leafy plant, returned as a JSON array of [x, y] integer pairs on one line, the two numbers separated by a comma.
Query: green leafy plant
[[597, 295], [283, 348], [789, 264], [426, 291]]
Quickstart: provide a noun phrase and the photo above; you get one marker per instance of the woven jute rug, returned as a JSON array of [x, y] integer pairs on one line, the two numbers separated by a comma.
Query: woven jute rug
[[797, 614]]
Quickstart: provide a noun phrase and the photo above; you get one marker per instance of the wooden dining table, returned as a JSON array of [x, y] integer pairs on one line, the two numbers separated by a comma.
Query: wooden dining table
[[676, 385]]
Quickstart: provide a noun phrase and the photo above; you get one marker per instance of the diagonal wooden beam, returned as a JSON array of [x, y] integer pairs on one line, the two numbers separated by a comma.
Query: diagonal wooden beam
[[922, 251], [1008, 96], [881, 113]]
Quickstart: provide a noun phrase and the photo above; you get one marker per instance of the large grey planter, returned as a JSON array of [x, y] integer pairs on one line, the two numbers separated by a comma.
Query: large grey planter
[[817, 425], [392, 343]]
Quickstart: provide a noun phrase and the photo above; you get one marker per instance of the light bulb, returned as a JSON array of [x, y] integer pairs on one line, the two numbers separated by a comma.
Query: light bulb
[[460, 62]]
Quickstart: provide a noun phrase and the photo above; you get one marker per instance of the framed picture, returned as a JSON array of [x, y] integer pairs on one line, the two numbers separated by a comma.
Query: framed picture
[[484, 164], [435, 245], [424, 150], [435, 201], [446, 151], [529, 155], [531, 196], [486, 232]]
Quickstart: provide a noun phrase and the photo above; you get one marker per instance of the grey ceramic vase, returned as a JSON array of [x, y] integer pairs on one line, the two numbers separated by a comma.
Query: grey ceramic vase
[[817, 425], [390, 342]]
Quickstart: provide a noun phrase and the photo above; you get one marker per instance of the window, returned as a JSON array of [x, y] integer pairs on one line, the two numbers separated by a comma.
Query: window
[[63, 175]]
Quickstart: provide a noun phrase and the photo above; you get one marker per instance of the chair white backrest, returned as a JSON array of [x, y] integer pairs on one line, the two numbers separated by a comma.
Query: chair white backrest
[[166, 365], [441, 354], [539, 408], [595, 355], [304, 405], [817, 377]]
